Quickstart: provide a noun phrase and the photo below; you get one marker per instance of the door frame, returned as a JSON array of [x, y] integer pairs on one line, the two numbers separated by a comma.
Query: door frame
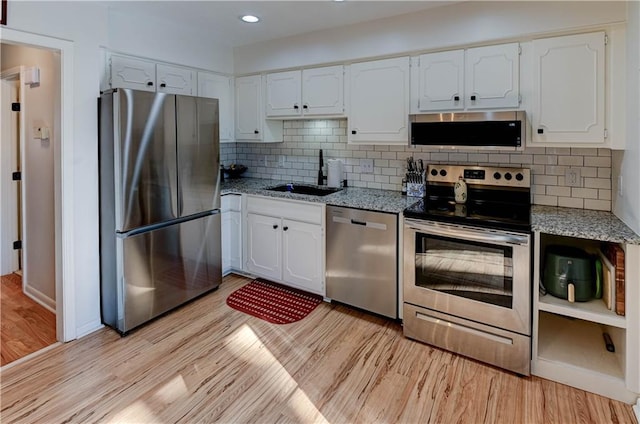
[[65, 246]]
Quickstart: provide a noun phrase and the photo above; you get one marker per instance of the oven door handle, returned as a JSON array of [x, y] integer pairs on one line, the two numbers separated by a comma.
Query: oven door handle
[[467, 233]]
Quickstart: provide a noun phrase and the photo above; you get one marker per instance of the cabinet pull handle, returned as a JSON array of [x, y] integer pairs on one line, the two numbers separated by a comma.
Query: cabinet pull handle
[[256, 132], [540, 131], [296, 107], [473, 98], [163, 85], [275, 226], [305, 106], [285, 228], [456, 98], [354, 132], [150, 83]]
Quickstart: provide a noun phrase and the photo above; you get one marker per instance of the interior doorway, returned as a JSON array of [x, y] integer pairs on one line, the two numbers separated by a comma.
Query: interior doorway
[[30, 160]]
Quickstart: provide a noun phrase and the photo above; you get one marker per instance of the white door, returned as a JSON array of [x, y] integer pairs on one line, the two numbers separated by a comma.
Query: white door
[[264, 251], [568, 104], [9, 145], [323, 91], [441, 81], [226, 241], [249, 108], [219, 87], [492, 77], [284, 94], [379, 102], [234, 223], [175, 80], [302, 256], [132, 73]]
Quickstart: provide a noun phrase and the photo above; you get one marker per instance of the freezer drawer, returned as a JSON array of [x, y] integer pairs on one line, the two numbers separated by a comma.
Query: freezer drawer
[[161, 269], [498, 347], [362, 259]]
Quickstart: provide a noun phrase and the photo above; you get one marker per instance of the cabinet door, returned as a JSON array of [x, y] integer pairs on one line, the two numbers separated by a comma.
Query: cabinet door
[[302, 256], [226, 242], [235, 241], [379, 102], [132, 73], [492, 77], [248, 108], [441, 81], [568, 79], [175, 80], [323, 91], [219, 87], [264, 246], [284, 95]]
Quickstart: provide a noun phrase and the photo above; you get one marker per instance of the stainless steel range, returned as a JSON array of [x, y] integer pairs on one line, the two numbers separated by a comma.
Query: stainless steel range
[[467, 264]]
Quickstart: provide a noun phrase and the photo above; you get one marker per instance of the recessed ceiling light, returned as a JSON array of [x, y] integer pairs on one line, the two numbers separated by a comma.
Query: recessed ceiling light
[[250, 19]]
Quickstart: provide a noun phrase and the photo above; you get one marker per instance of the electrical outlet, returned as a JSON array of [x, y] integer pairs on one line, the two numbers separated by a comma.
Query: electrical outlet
[[572, 177], [620, 191], [281, 160], [366, 166], [264, 162]]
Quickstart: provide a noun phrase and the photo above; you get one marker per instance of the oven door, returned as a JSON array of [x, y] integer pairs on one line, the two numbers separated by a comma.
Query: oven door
[[482, 275]]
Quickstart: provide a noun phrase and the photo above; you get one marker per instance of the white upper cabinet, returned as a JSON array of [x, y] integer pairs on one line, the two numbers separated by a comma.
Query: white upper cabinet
[[219, 87], [133, 73], [310, 92], [250, 121], [175, 80], [139, 74], [379, 102], [492, 77], [569, 88], [440, 81], [478, 78]]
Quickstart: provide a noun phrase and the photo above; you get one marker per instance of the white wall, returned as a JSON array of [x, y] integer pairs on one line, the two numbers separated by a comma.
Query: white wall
[[627, 205], [90, 26], [38, 174], [440, 28]]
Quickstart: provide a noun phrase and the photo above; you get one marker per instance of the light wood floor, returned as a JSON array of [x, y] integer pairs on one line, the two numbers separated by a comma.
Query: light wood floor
[[26, 326], [209, 363]]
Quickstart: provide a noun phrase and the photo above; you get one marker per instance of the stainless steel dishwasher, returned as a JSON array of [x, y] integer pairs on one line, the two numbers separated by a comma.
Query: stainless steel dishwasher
[[362, 262]]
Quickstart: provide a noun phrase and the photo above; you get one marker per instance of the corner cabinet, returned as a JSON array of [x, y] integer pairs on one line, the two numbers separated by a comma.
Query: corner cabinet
[[568, 345], [139, 74], [219, 87], [315, 92], [569, 91], [478, 78], [249, 118], [378, 104], [285, 242]]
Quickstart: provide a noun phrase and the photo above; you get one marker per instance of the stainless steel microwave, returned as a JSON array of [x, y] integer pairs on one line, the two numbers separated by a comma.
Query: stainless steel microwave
[[473, 130]]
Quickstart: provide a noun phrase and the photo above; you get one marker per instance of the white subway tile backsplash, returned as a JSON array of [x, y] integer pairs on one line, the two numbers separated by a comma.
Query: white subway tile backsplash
[[303, 139]]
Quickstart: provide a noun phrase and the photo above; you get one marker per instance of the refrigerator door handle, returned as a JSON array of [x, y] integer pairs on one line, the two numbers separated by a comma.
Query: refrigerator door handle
[[159, 225]]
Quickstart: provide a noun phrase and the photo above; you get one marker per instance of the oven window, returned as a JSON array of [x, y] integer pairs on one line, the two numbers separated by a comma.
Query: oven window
[[473, 270]]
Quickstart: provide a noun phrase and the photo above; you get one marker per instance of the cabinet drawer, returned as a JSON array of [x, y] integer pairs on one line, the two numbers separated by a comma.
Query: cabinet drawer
[[288, 209]]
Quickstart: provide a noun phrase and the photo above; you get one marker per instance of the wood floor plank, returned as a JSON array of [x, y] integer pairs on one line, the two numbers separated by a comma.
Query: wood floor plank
[[206, 362], [26, 326]]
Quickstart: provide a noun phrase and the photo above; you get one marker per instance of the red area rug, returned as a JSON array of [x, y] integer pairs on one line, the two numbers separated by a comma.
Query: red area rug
[[273, 303]]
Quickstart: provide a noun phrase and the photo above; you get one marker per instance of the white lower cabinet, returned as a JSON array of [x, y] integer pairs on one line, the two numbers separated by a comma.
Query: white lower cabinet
[[568, 342], [231, 233], [285, 242]]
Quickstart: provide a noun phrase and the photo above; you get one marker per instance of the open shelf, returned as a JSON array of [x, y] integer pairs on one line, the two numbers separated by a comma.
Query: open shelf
[[580, 344], [594, 310]]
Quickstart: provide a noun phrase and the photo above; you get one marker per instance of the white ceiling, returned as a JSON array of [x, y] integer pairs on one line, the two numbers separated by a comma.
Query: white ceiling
[[220, 19]]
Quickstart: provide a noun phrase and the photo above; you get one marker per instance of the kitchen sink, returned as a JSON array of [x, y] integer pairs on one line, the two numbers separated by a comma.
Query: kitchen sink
[[304, 189]]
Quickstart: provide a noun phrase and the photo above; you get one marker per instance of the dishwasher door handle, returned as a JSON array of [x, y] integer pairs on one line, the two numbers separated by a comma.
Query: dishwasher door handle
[[353, 221]]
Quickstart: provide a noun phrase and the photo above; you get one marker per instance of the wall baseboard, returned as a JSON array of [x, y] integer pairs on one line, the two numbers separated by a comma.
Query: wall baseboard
[[88, 328], [40, 298], [636, 409]]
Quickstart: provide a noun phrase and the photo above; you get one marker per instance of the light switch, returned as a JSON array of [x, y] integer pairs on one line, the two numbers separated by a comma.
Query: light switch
[[44, 133]]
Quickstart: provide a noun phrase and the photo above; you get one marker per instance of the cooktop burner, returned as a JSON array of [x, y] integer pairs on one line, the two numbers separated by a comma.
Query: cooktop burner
[[496, 197]]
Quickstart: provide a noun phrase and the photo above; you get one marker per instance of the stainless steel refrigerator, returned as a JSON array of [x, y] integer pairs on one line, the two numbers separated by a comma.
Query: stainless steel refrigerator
[[159, 203]]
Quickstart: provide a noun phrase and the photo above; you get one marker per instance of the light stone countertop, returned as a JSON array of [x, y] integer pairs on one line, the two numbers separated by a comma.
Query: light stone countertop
[[579, 223]]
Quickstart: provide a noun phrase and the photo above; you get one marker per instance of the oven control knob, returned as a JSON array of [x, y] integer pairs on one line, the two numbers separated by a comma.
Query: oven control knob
[[507, 176], [434, 172], [443, 173], [519, 177], [497, 175]]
